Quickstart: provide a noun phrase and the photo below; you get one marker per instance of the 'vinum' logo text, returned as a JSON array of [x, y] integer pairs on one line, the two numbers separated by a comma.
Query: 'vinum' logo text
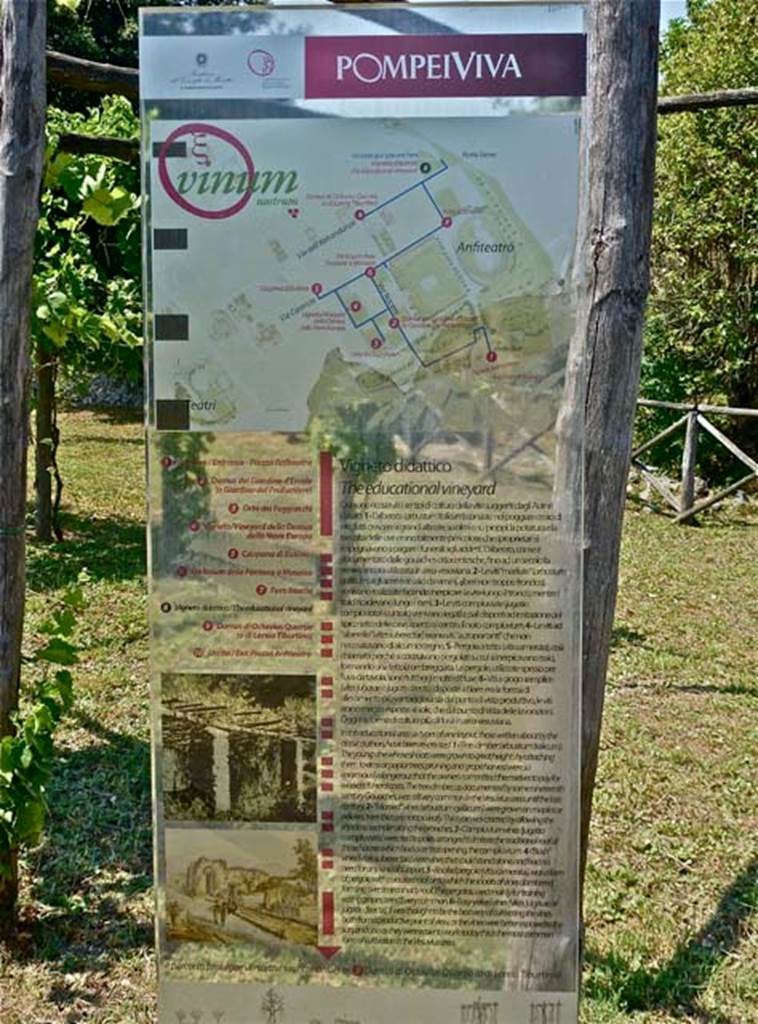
[[227, 183]]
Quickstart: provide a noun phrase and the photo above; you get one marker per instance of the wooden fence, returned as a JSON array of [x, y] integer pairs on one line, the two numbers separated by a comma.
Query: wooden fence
[[692, 421]]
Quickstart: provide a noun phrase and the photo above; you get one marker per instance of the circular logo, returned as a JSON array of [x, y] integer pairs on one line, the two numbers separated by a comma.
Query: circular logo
[[261, 63], [201, 59], [214, 178]]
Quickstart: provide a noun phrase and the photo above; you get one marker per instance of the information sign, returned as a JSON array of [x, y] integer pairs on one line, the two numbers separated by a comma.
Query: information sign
[[365, 603]]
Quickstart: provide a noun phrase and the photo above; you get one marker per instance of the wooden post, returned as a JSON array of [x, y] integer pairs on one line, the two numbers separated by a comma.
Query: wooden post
[[612, 277], [22, 117], [43, 447], [730, 446], [689, 458], [715, 498]]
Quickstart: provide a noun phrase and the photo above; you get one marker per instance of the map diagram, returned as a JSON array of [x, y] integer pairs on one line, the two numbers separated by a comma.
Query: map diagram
[[379, 310], [387, 252]]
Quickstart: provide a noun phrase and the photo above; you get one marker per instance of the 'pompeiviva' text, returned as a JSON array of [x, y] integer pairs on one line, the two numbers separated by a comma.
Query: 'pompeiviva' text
[[445, 67]]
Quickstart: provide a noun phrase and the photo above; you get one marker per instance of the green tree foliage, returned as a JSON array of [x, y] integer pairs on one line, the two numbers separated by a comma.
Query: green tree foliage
[[27, 756], [87, 287], [702, 329], [307, 864], [86, 307], [105, 30], [100, 30]]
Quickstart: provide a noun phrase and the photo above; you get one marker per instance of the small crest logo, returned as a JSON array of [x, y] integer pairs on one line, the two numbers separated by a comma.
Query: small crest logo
[[261, 63], [201, 59]]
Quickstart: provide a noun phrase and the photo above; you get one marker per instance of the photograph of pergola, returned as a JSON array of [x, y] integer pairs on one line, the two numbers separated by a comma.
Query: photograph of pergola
[[238, 747]]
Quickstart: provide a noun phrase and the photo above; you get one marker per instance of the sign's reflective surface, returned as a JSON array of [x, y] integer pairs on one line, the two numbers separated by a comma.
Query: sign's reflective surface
[[365, 602]]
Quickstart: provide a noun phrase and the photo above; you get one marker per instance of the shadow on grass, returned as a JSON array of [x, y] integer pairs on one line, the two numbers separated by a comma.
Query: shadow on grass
[[676, 986], [118, 415], [732, 689], [728, 689], [88, 907], [626, 635], [110, 549], [104, 439]]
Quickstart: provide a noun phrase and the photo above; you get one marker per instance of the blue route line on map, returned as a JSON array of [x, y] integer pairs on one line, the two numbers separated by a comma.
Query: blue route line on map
[[332, 291], [410, 345], [375, 209], [342, 303], [410, 246], [436, 207], [483, 330], [389, 307], [368, 320], [418, 184]]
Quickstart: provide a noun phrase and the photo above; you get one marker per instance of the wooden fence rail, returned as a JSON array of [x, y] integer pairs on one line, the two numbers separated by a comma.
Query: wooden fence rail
[[90, 76], [693, 419], [728, 410]]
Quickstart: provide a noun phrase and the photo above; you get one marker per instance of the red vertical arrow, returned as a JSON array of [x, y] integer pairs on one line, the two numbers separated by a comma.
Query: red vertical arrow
[[326, 477], [327, 913], [327, 924]]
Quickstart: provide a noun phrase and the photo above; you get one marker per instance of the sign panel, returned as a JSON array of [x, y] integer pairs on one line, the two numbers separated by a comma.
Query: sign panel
[[364, 599]]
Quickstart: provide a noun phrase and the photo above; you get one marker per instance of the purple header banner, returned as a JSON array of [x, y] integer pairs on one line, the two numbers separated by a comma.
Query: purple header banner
[[374, 67]]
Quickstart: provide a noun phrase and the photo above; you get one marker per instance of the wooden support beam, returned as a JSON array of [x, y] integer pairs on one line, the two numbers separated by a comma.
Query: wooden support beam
[[89, 76], [654, 403], [684, 516], [658, 437], [656, 483], [725, 410], [100, 145], [708, 100], [730, 446]]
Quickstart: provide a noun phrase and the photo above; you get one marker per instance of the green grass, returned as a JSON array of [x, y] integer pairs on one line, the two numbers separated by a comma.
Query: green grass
[[84, 951], [671, 886]]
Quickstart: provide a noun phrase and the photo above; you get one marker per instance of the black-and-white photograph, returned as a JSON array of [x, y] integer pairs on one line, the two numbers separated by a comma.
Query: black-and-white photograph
[[239, 747]]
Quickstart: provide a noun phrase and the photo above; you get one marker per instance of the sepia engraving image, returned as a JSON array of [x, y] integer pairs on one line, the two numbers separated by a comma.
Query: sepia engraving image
[[250, 886]]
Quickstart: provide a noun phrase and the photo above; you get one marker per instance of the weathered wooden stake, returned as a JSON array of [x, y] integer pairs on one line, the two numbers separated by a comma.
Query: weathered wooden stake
[[689, 460], [714, 499], [23, 26], [43, 447], [612, 275]]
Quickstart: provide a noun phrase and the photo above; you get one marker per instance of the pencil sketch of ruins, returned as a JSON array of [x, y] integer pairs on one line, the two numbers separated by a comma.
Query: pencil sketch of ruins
[[255, 887]]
